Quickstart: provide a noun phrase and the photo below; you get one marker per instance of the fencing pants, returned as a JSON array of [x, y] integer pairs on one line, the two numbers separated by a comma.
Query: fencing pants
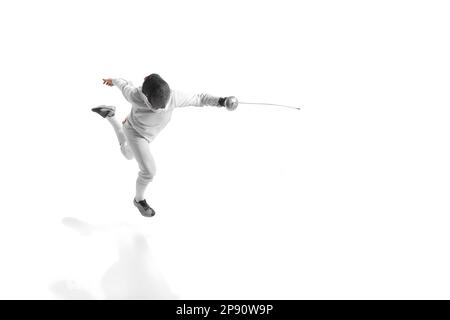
[[133, 145]]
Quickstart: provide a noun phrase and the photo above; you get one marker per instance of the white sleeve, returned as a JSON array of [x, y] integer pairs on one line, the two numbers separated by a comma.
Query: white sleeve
[[196, 100], [125, 86]]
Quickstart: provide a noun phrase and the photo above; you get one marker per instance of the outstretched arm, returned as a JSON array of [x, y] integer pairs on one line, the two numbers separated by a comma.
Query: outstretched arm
[[203, 99], [126, 87]]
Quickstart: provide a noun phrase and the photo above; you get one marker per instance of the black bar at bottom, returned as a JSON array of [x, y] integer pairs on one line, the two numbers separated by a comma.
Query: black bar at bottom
[[224, 309]]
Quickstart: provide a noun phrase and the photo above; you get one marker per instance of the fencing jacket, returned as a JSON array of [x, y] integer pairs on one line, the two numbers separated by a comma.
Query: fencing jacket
[[149, 123]]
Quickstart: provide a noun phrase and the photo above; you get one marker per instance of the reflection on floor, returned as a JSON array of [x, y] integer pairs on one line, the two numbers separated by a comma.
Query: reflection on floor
[[134, 274]]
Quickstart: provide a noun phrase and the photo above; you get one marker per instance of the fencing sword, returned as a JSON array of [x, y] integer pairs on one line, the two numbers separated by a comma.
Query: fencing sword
[[231, 103]]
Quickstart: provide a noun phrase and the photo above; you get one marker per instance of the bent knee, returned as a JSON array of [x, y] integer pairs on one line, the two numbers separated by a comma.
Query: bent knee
[[126, 152], [147, 175]]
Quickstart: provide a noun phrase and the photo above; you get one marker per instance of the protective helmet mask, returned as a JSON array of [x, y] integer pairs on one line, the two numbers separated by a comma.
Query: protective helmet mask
[[156, 93]]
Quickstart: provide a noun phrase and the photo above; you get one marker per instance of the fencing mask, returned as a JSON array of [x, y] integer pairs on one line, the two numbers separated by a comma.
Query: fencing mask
[[155, 92]]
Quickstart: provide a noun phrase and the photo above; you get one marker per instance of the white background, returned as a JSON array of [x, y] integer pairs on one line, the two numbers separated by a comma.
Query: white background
[[347, 198]]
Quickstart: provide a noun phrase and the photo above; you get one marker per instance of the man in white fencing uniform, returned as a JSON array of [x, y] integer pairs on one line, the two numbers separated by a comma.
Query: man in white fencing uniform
[[152, 107]]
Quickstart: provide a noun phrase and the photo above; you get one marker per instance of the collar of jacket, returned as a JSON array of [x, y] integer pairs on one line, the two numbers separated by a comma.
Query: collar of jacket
[[148, 104]]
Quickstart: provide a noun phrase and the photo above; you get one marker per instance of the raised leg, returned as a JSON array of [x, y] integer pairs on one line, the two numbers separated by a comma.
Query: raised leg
[[124, 145], [108, 112]]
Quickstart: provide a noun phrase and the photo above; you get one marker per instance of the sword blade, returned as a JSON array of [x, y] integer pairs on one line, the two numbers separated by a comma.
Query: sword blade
[[271, 104]]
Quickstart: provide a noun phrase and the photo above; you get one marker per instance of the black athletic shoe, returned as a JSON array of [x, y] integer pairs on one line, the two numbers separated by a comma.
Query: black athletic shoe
[[144, 208], [105, 111]]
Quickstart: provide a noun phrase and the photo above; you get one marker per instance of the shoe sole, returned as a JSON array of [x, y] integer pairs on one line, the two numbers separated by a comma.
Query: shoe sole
[[108, 109]]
